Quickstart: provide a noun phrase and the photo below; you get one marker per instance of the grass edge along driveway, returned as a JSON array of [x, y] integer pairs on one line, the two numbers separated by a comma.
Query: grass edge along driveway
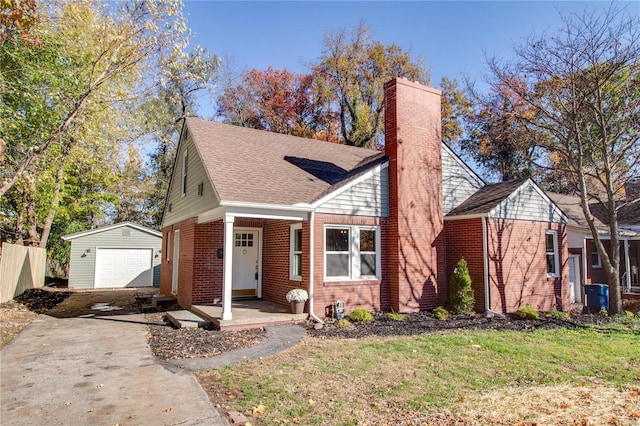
[[483, 377]]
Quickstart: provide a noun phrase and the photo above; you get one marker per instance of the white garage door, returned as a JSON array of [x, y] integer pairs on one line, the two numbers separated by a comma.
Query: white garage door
[[124, 268]]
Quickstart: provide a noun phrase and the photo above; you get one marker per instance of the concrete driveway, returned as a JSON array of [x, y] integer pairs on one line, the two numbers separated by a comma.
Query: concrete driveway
[[100, 371]]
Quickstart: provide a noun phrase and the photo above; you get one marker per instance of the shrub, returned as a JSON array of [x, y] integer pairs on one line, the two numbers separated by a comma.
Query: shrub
[[461, 296], [344, 323], [558, 314], [395, 316], [361, 315], [441, 313], [527, 312]]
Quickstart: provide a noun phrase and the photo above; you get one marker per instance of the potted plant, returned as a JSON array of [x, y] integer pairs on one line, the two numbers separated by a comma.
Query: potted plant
[[297, 297]]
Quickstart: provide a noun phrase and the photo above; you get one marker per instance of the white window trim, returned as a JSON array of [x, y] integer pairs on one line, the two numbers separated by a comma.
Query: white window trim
[[354, 253], [555, 253], [183, 180], [292, 235], [594, 250]]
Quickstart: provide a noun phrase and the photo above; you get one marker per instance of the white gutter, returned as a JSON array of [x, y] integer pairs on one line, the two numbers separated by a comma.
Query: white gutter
[[312, 218]]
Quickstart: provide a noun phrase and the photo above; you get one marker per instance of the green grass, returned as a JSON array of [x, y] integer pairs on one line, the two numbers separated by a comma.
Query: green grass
[[343, 377]]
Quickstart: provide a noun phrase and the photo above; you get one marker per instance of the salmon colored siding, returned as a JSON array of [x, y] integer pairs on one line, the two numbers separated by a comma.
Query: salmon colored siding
[[464, 240], [517, 266]]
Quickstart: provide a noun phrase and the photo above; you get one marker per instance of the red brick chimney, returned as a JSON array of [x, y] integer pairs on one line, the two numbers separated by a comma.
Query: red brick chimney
[[415, 232]]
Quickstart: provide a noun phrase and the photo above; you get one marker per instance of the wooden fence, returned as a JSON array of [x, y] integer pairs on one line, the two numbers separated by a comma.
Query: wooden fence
[[21, 268]]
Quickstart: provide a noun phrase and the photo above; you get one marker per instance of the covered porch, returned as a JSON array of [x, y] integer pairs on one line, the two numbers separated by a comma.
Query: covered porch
[[630, 260], [251, 313], [254, 253]]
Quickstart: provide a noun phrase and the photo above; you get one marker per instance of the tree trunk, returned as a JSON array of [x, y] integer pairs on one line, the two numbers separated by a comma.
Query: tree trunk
[[53, 208]]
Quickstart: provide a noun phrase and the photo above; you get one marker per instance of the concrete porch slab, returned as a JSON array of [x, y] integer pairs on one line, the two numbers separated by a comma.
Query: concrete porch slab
[[186, 319], [249, 314]]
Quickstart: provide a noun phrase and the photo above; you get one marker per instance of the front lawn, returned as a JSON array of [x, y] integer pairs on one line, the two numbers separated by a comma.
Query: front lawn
[[481, 377]]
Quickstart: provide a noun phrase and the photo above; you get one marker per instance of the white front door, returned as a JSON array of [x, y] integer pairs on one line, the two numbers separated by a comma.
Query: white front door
[[246, 262], [575, 294], [176, 259]]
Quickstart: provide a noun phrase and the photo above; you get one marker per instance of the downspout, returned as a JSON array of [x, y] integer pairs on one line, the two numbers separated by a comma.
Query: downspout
[[485, 259], [312, 219]]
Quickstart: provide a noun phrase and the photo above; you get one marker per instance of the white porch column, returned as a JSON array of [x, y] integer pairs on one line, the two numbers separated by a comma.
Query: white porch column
[[228, 265], [627, 265]]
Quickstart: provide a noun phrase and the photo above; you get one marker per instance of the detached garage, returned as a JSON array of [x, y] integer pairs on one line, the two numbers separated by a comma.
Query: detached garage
[[115, 256]]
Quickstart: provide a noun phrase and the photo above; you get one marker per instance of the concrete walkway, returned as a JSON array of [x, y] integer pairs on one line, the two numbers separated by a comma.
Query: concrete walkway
[[98, 371], [277, 339]]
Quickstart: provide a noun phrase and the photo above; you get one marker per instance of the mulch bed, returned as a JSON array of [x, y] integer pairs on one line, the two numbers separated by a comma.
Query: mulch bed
[[168, 342], [40, 300], [425, 322]]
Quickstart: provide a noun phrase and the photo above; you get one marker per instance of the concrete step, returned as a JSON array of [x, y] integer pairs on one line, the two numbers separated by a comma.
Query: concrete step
[[159, 301], [186, 319]]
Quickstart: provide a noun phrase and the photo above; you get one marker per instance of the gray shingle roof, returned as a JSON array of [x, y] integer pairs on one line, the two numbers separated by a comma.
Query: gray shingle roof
[[248, 165], [486, 198], [628, 215]]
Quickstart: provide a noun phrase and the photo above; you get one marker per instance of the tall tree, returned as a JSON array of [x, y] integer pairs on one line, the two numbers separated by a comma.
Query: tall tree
[[183, 78], [278, 101], [584, 85], [456, 110], [499, 136], [354, 68], [46, 88], [70, 95]]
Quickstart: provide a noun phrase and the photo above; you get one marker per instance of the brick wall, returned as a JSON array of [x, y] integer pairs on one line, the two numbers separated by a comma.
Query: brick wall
[[415, 231], [355, 294], [186, 261], [464, 240], [275, 260], [207, 268], [517, 266]]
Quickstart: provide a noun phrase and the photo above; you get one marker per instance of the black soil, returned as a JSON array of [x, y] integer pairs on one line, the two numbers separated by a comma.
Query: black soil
[[425, 322]]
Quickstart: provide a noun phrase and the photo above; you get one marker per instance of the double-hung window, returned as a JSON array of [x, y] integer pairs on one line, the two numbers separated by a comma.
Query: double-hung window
[[595, 256], [351, 252], [295, 252], [551, 242]]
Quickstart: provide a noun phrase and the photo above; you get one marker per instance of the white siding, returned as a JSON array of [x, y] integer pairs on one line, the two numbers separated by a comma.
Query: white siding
[[526, 203], [83, 252], [458, 181], [367, 198], [180, 207]]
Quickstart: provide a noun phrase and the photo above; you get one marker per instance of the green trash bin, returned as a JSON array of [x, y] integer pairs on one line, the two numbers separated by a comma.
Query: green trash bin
[[597, 297]]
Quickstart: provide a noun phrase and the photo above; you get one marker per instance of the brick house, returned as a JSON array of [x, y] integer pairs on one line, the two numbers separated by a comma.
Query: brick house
[[251, 213], [585, 264]]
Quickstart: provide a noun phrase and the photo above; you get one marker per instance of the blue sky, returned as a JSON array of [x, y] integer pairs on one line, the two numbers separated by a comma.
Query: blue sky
[[451, 37]]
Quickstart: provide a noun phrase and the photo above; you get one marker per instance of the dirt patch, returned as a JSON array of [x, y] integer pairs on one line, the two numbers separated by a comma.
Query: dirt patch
[[15, 315]]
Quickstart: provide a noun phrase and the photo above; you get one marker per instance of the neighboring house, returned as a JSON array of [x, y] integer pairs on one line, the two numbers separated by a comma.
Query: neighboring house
[[251, 213], [585, 264], [115, 256]]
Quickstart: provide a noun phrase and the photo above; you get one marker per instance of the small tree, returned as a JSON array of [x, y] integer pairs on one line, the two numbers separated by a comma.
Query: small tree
[[461, 296]]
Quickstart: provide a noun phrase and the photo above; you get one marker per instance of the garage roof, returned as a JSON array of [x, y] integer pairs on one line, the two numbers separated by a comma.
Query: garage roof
[[114, 226]]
